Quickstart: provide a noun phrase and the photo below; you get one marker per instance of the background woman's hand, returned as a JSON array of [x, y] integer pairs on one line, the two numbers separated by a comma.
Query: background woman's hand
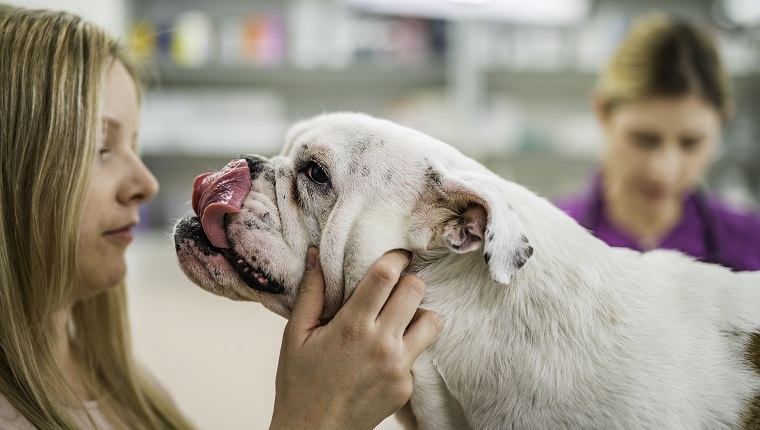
[[356, 370]]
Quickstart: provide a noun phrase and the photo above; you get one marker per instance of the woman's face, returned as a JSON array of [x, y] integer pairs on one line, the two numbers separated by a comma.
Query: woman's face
[[659, 149], [120, 184]]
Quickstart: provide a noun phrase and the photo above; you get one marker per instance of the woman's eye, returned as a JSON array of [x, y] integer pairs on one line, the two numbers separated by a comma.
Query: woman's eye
[[689, 144], [645, 140], [316, 173], [103, 152]]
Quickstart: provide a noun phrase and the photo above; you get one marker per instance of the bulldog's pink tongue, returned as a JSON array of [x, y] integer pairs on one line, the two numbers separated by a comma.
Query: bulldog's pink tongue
[[217, 194]]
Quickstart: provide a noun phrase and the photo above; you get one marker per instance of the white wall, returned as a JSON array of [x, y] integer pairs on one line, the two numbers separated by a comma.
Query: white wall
[[110, 14]]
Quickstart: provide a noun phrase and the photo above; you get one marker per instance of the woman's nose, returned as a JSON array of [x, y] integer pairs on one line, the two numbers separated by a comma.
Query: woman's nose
[[665, 165], [141, 185]]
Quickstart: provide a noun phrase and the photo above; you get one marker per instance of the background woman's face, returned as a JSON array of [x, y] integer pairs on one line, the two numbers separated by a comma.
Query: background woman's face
[[120, 184], [659, 149]]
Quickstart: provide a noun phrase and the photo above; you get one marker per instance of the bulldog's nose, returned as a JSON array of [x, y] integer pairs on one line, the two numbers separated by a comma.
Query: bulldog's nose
[[220, 193], [256, 164]]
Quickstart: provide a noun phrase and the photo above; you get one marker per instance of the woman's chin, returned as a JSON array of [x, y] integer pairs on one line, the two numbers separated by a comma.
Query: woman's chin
[[94, 285]]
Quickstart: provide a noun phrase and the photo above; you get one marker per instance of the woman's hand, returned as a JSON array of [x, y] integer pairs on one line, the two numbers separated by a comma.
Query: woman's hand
[[355, 371]]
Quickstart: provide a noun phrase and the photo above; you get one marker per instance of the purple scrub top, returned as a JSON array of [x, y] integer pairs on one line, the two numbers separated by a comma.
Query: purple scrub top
[[735, 233]]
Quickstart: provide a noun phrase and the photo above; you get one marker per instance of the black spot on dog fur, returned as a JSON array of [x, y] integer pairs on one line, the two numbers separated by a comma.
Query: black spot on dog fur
[[295, 194], [363, 144], [433, 177], [523, 256], [751, 415], [487, 257]]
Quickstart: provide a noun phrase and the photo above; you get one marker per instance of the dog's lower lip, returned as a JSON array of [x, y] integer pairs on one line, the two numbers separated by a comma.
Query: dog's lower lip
[[252, 277], [191, 228]]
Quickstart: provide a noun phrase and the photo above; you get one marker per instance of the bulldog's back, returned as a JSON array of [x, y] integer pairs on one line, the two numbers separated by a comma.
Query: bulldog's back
[[590, 336]]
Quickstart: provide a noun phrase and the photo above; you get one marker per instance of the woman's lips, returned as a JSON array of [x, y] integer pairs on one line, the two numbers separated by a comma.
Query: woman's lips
[[654, 193], [123, 234]]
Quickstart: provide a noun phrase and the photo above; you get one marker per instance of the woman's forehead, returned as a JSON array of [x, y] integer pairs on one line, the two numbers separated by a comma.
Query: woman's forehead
[[120, 105], [687, 113]]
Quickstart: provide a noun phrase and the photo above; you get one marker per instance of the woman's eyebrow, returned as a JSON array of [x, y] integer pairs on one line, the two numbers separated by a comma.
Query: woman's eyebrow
[[112, 123]]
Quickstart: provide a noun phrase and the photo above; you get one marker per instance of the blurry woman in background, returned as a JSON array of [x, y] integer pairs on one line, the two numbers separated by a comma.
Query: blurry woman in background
[[662, 102]]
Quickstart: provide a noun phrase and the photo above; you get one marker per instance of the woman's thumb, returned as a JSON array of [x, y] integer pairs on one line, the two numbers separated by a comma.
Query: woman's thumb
[[311, 294]]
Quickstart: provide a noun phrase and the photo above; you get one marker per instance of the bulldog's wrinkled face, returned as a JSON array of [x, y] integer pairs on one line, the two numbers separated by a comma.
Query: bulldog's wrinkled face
[[340, 185], [353, 185]]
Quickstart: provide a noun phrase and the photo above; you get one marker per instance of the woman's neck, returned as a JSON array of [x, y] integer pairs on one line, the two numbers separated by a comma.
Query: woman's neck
[[65, 357], [647, 224]]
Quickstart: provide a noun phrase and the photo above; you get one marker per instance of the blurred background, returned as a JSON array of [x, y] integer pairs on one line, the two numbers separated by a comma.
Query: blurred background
[[508, 82]]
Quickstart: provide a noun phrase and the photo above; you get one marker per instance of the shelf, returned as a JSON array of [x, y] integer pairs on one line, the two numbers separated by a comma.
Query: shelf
[[365, 76], [562, 78], [746, 83], [575, 79]]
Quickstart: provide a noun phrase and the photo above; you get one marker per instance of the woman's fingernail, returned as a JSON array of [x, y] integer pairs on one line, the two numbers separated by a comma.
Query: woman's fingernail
[[311, 258], [405, 253], [438, 322]]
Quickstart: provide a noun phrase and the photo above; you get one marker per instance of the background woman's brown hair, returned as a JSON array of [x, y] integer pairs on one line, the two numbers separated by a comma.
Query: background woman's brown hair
[[670, 57]]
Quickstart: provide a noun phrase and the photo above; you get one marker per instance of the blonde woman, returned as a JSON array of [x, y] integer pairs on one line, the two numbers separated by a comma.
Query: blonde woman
[[70, 187], [662, 102]]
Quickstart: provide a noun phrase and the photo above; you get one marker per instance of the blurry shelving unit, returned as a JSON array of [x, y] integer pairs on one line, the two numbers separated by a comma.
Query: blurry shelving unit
[[512, 93], [231, 76], [304, 56], [287, 77]]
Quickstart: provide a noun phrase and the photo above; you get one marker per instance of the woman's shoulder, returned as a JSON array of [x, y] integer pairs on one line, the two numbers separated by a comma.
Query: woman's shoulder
[[742, 221], [10, 418], [737, 229], [573, 205]]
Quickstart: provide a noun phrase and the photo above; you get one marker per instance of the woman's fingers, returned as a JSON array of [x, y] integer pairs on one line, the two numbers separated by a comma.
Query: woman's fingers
[[376, 286], [402, 305], [355, 370], [310, 298], [424, 329]]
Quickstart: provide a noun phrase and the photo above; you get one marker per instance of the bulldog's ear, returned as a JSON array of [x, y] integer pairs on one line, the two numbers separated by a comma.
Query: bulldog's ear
[[481, 216]]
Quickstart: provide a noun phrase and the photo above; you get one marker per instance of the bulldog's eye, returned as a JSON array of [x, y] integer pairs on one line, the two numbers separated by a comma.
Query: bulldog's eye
[[316, 173]]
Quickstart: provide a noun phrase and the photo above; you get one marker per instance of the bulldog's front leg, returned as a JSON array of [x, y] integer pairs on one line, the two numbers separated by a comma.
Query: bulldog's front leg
[[433, 407]]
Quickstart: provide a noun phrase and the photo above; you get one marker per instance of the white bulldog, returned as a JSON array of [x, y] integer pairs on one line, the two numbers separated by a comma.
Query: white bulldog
[[546, 327]]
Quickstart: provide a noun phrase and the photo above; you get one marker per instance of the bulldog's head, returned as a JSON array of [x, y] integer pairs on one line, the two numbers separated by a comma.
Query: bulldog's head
[[356, 187]]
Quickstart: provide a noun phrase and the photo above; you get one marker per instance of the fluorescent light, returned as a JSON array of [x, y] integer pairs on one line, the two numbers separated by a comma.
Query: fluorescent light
[[474, 2], [742, 12], [541, 12]]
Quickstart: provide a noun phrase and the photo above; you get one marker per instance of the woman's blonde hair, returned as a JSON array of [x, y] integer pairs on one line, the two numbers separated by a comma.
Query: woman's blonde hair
[[52, 67], [666, 56]]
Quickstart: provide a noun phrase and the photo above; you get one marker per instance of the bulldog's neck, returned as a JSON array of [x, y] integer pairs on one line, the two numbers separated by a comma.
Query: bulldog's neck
[[521, 329], [565, 255]]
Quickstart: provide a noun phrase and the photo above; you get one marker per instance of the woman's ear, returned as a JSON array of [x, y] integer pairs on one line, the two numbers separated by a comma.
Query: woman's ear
[[602, 107]]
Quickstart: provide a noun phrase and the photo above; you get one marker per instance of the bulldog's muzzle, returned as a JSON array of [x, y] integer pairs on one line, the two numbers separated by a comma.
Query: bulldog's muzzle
[[215, 197]]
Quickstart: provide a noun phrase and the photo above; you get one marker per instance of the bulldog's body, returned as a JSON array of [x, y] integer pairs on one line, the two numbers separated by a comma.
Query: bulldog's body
[[546, 327]]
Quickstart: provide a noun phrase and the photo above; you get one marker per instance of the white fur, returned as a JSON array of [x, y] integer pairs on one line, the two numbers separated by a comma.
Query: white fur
[[555, 331]]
